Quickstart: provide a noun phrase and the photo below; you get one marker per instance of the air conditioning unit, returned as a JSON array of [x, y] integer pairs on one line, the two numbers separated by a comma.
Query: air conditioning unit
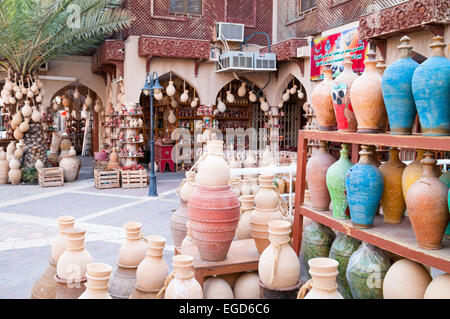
[[214, 54], [235, 61], [233, 32], [43, 68], [265, 61], [305, 51]]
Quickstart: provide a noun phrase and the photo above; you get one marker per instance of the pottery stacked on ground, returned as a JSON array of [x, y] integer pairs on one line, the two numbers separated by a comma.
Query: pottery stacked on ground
[[70, 165], [14, 173], [97, 275], [4, 167]]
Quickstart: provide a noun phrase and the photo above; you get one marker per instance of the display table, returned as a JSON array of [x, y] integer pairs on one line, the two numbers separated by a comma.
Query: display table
[[163, 155], [242, 256]]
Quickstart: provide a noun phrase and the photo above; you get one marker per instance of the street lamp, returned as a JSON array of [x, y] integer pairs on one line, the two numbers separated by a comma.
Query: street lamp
[[152, 85]]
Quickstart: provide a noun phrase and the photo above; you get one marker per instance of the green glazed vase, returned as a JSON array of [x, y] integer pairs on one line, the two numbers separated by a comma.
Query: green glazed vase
[[336, 186]]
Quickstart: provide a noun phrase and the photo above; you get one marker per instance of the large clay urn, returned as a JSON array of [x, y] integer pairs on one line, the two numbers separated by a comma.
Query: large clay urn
[[70, 166], [392, 200], [4, 167], [323, 273], [367, 98], [335, 179], [316, 175], [243, 230], [66, 143], [113, 160], [182, 283], [431, 90], [97, 275], [247, 286], [279, 266], [340, 93], [323, 103], [14, 174], [397, 90], [364, 186], [426, 201], [439, 288], [213, 170]]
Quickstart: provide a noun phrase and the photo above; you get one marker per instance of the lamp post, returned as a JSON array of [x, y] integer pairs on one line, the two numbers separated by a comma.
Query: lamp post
[[151, 85]]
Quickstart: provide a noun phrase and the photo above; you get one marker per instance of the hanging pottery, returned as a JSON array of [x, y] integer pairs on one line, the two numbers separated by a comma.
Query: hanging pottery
[[76, 94], [97, 106], [280, 104], [322, 102], [26, 109], [158, 96], [242, 90], [185, 96], [300, 94], [264, 105], [230, 97], [194, 102], [88, 101], [252, 97], [172, 118], [170, 89], [293, 89], [36, 116], [18, 135], [65, 101], [221, 107], [286, 96], [173, 103]]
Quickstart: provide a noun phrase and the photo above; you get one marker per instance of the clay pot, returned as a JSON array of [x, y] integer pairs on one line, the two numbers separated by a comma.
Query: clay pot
[[335, 179], [246, 187], [267, 157], [170, 89], [183, 285], [122, 282], [280, 184], [178, 223], [188, 241], [255, 186], [24, 126], [406, 279], [243, 230], [217, 288], [247, 286], [214, 216], [4, 167], [45, 286], [426, 201], [242, 90], [26, 109], [367, 98], [266, 197], [97, 281], [213, 170], [18, 135], [392, 200], [10, 149], [323, 103], [412, 172], [132, 251], [279, 266], [70, 166], [323, 272], [250, 160], [14, 174], [59, 243], [439, 288], [66, 143], [113, 162], [36, 116], [316, 174]]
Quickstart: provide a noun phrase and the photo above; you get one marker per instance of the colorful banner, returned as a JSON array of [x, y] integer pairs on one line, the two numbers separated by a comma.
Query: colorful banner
[[331, 50]]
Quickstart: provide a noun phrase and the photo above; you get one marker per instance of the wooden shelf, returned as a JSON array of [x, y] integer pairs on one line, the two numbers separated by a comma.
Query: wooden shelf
[[131, 156], [140, 114]]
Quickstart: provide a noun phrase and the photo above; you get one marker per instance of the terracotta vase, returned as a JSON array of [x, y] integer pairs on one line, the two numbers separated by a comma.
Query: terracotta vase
[[250, 160], [132, 251], [439, 288], [183, 285], [122, 282], [97, 281], [279, 266], [255, 186], [340, 93], [214, 216], [246, 187], [247, 286], [316, 175], [217, 288], [4, 167], [367, 98], [14, 174], [178, 222], [243, 230], [10, 149], [322, 102], [113, 160], [406, 279], [45, 286], [66, 143], [213, 170], [59, 243], [70, 166], [335, 179], [323, 273], [427, 205], [384, 121], [188, 241]]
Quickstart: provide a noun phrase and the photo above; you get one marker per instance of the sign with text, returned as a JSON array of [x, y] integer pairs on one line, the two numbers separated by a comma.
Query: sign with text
[[331, 50]]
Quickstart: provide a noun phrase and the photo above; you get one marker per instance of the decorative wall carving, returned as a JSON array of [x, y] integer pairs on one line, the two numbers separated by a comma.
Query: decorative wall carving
[[287, 49], [173, 47], [109, 56]]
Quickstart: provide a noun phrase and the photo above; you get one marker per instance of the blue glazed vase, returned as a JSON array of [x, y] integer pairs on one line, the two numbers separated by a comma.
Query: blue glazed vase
[[397, 91], [364, 185], [431, 90]]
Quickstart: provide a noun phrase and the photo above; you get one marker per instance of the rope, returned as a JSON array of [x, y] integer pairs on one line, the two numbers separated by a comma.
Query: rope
[[166, 283], [302, 292], [145, 239], [283, 205], [275, 261]]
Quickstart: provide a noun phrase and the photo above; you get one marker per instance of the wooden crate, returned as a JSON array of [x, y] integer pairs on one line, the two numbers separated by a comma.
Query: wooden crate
[[53, 176], [134, 179], [99, 165], [106, 179]]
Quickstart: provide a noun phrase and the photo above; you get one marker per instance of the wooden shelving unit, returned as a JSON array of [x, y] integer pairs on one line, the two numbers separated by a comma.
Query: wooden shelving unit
[[398, 238]]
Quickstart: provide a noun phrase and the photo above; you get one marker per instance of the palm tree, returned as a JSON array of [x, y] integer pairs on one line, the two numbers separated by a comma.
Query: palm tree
[[33, 32]]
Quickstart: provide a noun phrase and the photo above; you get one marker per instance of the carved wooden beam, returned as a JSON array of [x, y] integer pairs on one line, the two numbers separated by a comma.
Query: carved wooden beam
[[197, 64], [301, 64]]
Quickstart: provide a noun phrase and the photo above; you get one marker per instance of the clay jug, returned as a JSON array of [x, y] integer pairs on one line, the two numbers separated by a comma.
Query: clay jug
[[392, 200], [213, 170], [182, 283], [70, 166], [247, 286], [59, 243], [367, 98], [250, 160], [255, 186], [65, 143], [217, 288], [4, 167], [431, 90], [113, 162], [170, 89], [24, 126], [97, 281], [36, 115], [323, 283], [178, 222], [340, 93], [10, 149], [187, 241], [322, 102], [412, 172], [439, 288], [267, 158], [246, 187], [335, 179], [397, 90], [426, 201], [26, 109], [187, 186], [406, 279], [364, 185], [132, 251], [45, 286], [279, 266], [316, 174], [14, 174], [243, 230]]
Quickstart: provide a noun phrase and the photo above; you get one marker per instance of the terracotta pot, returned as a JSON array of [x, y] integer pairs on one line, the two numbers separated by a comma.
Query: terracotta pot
[[247, 286], [26, 109], [323, 103], [279, 266], [243, 230], [59, 243], [70, 166], [323, 272], [183, 285], [439, 288], [250, 160], [97, 281], [4, 167], [316, 174], [384, 121], [392, 200], [266, 197], [367, 98], [10, 149], [255, 186], [217, 288], [213, 170], [66, 143], [188, 241], [24, 126], [14, 174], [178, 223], [36, 115], [214, 216], [45, 286], [187, 186], [267, 157], [246, 187], [427, 205], [69, 290], [132, 251], [122, 282], [406, 279]]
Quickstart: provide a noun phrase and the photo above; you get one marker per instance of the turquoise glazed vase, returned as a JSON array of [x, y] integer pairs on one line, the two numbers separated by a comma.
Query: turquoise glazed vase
[[336, 184], [397, 91], [364, 185], [431, 89]]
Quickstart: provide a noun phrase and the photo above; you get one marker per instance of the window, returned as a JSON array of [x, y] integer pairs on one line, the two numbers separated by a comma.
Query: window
[[306, 4], [186, 6]]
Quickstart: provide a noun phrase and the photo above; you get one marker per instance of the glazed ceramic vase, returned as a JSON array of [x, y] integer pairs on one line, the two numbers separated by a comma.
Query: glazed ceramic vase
[[323, 273], [70, 166], [247, 286], [406, 279], [335, 179], [217, 288], [439, 288], [183, 285], [340, 93], [364, 185], [213, 170], [243, 230], [279, 266], [367, 98], [97, 281], [316, 175], [113, 162], [323, 103], [14, 174], [4, 167], [392, 200], [431, 90], [426, 201], [397, 90]]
